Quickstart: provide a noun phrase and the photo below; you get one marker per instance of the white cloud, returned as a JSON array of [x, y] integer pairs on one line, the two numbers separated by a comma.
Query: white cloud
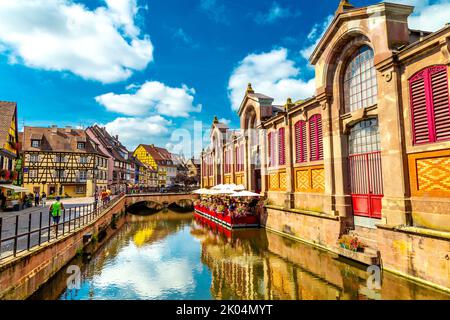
[[151, 96], [271, 73], [275, 13], [215, 10], [427, 15], [102, 44], [225, 121], [132, 131], [314, 36]]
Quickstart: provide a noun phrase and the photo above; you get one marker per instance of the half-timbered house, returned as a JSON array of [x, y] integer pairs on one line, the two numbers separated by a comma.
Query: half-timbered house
[[62, 161]]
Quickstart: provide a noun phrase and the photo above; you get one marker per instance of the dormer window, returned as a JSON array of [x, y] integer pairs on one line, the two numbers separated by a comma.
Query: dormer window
[[35, 143], [81, 145]]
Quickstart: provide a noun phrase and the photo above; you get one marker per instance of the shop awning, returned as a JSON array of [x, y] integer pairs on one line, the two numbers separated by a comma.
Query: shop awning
[[13, 187]]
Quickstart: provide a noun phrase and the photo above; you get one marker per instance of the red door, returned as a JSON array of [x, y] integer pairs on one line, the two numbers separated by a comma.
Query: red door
[[366, 180], [366, 184]]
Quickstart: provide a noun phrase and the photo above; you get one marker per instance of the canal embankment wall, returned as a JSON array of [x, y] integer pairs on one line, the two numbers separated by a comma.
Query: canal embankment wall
[[25, 274], [415, 253]]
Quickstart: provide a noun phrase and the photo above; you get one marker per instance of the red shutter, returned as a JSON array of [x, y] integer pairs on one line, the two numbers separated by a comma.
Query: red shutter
[[315, 138], [237, 159], [242, 158], [319, 137], [281, 147], [439, 95], [300, 141], [269, 144], [419, 112], [430, 110]]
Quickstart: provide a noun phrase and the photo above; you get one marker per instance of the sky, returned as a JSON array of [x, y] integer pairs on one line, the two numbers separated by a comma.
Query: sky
[[152, 71]]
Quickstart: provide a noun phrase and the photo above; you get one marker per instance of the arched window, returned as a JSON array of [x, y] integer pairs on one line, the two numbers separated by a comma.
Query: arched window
[[281, 147], [300, 141], [315, 138], [364, 137], [360, 81], [430, 109]]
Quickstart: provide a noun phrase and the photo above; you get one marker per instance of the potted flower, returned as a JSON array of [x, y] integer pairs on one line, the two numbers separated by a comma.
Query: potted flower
[[240, 211], [351, 243]]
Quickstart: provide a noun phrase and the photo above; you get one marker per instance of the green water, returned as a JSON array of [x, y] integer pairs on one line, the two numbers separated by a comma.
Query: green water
[[174, 256]]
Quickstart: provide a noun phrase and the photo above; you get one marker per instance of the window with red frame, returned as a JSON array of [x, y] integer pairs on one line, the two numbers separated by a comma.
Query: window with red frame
[[281, 147], [300, 141], [430, 108], [315, 138]]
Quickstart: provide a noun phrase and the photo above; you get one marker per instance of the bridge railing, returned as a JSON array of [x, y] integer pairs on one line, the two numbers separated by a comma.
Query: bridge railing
[[24, 232]]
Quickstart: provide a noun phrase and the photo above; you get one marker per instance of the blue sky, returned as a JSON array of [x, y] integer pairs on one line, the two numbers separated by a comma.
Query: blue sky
[[145, 68]]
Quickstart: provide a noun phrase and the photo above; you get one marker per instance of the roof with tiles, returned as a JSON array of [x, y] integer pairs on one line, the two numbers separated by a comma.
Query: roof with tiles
[[55, 139]]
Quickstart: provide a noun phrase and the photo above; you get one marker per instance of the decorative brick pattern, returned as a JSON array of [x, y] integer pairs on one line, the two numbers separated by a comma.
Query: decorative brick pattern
[[433, 174], [318, 179], [430, 173], [273, 181], [282, 178], [302, 180], [310, 179]]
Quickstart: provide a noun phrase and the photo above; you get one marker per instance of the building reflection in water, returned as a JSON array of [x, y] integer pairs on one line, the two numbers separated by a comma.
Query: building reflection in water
[[170, 256], [256, 264]]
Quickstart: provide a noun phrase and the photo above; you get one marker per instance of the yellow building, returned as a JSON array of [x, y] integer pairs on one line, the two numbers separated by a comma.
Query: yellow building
[[159, 159], [62, 161], [8, 141]]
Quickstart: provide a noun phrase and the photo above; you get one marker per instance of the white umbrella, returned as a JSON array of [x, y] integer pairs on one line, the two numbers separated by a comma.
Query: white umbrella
[[222, 191], [218, 187], [239, 188], [245, 193], [200, 191]]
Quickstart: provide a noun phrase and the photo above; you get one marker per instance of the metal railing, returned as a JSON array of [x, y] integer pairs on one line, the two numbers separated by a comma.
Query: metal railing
[[24, 232]]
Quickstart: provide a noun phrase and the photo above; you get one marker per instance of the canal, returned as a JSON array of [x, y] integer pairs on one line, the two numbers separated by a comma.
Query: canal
[[178, 256]]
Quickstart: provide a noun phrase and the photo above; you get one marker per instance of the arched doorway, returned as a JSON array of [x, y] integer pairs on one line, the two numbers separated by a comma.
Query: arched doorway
[[366, 179], [254, 150]]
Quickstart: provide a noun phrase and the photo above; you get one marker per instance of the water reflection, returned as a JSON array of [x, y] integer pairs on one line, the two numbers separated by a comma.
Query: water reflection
[[172, 256]]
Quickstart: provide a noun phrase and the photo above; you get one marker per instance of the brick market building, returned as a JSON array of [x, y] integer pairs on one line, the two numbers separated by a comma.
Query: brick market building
[[368, 155]]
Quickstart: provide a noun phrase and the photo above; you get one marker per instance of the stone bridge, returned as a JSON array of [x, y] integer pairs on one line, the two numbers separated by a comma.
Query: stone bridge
[[159, 201]]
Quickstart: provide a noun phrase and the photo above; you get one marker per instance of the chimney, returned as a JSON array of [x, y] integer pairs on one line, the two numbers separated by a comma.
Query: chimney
[[54, 128], [68, 129], [117, 137]]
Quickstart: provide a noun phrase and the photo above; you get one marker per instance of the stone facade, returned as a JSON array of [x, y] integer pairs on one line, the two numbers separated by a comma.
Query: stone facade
[[370, 151]]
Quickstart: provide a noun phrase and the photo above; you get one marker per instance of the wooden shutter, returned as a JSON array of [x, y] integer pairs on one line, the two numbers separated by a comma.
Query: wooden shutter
[[281, 147], [430, 110], [300, 141], [439, 95], [242, 157], [269, 145], [315, 137], [419, 110]]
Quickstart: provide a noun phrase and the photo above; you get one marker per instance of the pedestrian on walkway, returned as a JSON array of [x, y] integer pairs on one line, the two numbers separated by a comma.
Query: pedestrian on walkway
[[44, 198], [36, 199], [56, 210], [108, 195], [3, 200]]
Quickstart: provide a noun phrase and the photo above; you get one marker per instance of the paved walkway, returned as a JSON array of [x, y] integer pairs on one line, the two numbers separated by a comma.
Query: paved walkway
[[68, 203], [74, 218]]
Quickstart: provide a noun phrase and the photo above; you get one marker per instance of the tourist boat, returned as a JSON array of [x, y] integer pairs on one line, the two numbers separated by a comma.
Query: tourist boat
[[227, 220]]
